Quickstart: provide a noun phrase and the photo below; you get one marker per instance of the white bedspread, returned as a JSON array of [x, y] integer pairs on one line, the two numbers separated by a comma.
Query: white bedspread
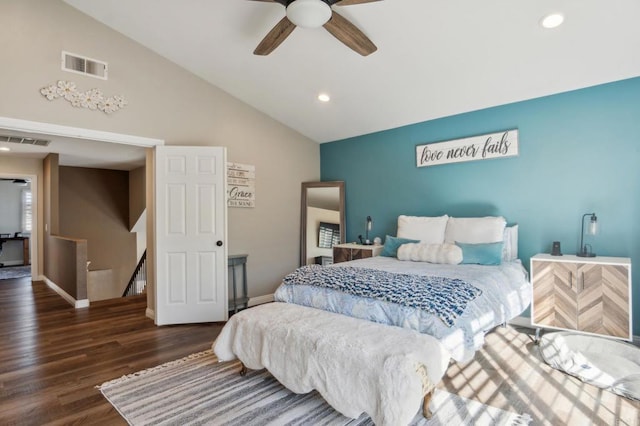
[[356, 365], [506, 294]]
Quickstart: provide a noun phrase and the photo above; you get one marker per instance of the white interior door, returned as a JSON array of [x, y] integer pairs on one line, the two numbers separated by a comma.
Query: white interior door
[[191, 234]]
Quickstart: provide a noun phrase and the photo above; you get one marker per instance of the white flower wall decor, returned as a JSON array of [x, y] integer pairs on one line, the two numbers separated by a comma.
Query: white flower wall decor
[[93, 99]]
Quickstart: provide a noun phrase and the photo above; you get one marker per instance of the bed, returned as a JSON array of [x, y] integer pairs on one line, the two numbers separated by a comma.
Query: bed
[[503, 288]]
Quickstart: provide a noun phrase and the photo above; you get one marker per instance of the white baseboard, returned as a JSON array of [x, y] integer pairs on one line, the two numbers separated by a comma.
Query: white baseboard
[[82, 303], [12, 262], [253, 301], [526, 322], [150, 313]]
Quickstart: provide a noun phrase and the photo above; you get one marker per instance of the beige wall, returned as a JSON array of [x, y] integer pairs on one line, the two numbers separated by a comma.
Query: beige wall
[[165, 102], [94, 206], [65, 259], [137, 202], [49, 224]]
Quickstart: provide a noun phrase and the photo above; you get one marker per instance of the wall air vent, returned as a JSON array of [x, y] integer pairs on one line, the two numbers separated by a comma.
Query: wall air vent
[[82, 65], [24, 141]]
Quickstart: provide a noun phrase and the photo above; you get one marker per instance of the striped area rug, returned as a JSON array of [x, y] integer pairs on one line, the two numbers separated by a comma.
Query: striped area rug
[[198, 390]]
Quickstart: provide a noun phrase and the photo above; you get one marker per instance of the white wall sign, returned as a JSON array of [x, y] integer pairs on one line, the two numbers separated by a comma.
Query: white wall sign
[[241, 185], [483, 147]]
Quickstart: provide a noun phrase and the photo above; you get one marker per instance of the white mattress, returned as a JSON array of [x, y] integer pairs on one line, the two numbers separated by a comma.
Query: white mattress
[[506, 293]]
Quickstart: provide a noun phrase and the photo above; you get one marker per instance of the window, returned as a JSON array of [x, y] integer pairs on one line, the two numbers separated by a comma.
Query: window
[[328, 235], [27, 210]]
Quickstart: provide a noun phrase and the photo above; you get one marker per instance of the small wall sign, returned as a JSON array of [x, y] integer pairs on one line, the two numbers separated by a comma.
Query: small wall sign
[[483, 147], [241, 185]]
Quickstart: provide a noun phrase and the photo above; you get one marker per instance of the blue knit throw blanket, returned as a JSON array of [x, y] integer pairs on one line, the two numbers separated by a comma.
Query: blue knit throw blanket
[[444, 297]]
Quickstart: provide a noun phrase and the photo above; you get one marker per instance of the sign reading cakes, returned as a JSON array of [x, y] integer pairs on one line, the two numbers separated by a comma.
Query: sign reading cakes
[[241, 185], [484, 147]]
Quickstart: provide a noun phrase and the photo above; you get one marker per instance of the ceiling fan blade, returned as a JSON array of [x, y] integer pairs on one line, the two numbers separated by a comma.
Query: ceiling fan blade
[[350, 35], [282, 2], [275, 37], [349, 2]]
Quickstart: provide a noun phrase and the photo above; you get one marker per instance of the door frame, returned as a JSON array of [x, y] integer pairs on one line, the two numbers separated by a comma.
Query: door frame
[[41, 128]]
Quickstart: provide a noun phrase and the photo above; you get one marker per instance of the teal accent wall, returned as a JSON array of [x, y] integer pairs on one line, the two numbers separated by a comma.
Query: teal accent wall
[[579, 153]]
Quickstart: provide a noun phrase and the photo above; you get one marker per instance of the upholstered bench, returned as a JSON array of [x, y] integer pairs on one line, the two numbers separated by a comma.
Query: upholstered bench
[[356, 365]]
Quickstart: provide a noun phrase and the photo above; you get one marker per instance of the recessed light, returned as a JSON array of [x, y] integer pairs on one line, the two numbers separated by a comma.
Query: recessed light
[[323, 97], [552, 20], [5, 148]]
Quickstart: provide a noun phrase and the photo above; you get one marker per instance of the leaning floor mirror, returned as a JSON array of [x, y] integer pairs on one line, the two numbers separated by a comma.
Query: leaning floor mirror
[[322, 221]]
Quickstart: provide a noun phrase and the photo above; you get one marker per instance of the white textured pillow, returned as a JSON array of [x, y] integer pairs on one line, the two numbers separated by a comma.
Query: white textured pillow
[[433, 253], [475, 230], [510, 248], [428, 230]]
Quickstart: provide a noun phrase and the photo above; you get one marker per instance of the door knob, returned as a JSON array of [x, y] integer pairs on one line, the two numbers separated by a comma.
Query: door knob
[[219, 243]]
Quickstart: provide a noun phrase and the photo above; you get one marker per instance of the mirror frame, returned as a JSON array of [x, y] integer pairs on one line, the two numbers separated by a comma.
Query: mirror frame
[[303, 214]]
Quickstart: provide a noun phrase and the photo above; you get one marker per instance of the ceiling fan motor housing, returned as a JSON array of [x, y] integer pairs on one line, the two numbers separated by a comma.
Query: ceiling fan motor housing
[[315, 14], [309, 13]]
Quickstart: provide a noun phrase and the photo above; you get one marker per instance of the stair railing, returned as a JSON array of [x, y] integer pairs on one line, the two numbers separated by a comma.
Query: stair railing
[[138, 281]]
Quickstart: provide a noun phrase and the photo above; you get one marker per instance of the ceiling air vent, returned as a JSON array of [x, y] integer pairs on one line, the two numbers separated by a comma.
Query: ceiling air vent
[[24, 141], [83, 65]]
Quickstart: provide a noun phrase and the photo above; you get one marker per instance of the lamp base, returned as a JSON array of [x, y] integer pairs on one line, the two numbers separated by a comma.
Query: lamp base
[[583, 254]]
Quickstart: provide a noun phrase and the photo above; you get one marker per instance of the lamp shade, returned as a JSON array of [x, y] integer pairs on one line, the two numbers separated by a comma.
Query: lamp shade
[[592, 229], [309, 13]]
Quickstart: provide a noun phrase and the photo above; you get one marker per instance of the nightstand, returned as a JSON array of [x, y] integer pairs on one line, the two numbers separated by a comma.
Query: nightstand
[[351, 251], [584, 294]]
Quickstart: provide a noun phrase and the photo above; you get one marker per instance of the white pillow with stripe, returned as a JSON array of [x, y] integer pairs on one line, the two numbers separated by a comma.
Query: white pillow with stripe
[[445, 253]]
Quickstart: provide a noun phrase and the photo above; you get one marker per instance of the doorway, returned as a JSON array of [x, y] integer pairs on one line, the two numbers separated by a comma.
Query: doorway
[[98, 146], [16, 213]]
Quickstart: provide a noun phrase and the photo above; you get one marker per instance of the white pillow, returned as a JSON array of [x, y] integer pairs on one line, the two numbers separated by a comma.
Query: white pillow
[[510, 248], [433, 253], [428, 230], [475, 230]]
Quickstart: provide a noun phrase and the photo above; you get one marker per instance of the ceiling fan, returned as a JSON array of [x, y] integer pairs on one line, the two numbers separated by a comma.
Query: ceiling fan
[[315, 14]]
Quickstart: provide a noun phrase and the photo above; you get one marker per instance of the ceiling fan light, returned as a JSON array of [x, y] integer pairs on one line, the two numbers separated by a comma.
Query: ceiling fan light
[[309, 13], [552, 20]]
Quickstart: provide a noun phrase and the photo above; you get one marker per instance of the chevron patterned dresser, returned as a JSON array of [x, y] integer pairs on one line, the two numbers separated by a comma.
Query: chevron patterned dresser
[[589, 295]]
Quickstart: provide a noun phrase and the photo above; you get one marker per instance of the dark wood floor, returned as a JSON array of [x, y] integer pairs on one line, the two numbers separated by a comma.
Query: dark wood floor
[[52, 356]]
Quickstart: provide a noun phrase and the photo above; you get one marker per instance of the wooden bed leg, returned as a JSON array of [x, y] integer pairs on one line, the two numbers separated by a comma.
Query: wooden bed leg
[[426, 412], [243, 370]]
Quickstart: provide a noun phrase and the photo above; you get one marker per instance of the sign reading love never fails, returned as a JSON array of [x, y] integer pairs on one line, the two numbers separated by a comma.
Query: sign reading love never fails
[[483, 147]]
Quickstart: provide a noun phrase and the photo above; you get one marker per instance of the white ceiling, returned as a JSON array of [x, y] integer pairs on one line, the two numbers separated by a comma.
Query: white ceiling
[[77, 152], [435, 57]]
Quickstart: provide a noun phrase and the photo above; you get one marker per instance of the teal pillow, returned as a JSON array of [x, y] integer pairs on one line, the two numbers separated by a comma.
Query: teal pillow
[[392, 244], [482, 254]]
